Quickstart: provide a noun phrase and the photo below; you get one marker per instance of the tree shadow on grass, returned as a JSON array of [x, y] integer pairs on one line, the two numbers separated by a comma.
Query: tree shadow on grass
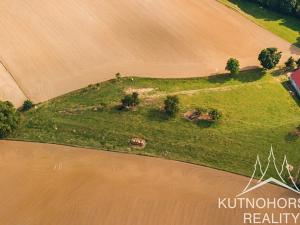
[[244, 76], [279, 72], [204, 123], [157, 115], [291, 137], [260, 12]]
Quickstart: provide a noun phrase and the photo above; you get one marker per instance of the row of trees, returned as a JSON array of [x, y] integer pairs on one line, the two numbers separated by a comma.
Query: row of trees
[[171, 106], [269, 59], [291, 7]]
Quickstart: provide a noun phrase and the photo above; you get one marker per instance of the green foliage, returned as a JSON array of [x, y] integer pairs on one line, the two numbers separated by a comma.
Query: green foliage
[[290, 7], [298, 63], [130, 100], [269, 58], [171, 105], [118, 76], [135, 99], [290, 63], [233, 66], [27, 105], [9, 118], [215, 114]]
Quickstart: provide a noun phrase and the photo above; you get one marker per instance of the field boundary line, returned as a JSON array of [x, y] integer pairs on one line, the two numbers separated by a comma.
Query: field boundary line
[[8, 71]]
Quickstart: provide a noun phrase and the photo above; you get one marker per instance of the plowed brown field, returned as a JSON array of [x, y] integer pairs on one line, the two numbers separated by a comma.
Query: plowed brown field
[[52, 47], [50, 184]]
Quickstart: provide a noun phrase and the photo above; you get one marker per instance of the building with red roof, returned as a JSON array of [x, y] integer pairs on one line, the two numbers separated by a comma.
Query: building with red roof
[[295, 81]]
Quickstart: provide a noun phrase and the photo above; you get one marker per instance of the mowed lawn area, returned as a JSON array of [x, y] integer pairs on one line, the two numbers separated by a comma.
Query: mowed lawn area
[[257, 112], [286, 27]]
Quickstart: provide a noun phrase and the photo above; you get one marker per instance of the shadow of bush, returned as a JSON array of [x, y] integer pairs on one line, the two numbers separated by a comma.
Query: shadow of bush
[[157, 115], [245, 76]]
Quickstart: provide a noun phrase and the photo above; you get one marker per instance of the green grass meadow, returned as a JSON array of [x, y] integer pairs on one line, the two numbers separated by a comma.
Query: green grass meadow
[[257, 111]]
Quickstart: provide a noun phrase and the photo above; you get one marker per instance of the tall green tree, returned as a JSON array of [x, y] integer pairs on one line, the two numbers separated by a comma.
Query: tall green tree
[[233, 66], [287, 6], [269, 58]]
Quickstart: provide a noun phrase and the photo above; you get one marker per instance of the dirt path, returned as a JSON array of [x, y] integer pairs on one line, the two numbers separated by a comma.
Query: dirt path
[[50, 184], [53, 47]]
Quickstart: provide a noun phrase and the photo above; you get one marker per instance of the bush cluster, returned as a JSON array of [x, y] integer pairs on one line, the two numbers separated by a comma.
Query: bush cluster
[[171, 105], [130, 101], [9, 118]]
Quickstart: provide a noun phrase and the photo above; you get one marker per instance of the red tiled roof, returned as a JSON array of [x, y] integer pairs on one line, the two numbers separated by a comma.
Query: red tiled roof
[[296, 77]]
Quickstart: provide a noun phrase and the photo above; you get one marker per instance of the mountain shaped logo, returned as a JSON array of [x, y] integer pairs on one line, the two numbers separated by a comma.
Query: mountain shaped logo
[[258, 170]]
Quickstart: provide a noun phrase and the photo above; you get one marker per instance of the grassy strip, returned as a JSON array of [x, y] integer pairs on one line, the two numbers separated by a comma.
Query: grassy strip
[[284, 26], [258, 112]]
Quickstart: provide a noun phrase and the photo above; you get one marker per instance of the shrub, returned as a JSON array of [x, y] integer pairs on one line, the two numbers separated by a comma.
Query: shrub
[[118, 76], [233, 66], [171, 105], [298, 63], [27, 105], [130, 100], [269, 58], [290, 63], [215, 114], [135, 99], [9, 118]]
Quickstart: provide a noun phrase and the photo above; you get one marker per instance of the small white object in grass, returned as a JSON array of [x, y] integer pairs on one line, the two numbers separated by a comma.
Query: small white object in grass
[[290, 167]]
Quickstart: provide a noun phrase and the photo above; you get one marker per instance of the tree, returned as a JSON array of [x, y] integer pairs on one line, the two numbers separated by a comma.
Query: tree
[[233, 66], [269, 58], [290, 63], [171, 105], [298, 63], [287, 6], [9, 118], [27, 105], [290, 7], [130, 100]]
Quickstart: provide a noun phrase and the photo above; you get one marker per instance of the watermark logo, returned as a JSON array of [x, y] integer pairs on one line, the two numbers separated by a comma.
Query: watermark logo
[[279, 210], [285, 167]]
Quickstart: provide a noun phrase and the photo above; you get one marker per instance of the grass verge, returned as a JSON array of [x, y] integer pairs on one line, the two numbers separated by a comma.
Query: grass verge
[[284, 26]]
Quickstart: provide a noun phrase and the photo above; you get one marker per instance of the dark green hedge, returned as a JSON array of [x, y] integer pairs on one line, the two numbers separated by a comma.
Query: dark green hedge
[[291, 7]]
